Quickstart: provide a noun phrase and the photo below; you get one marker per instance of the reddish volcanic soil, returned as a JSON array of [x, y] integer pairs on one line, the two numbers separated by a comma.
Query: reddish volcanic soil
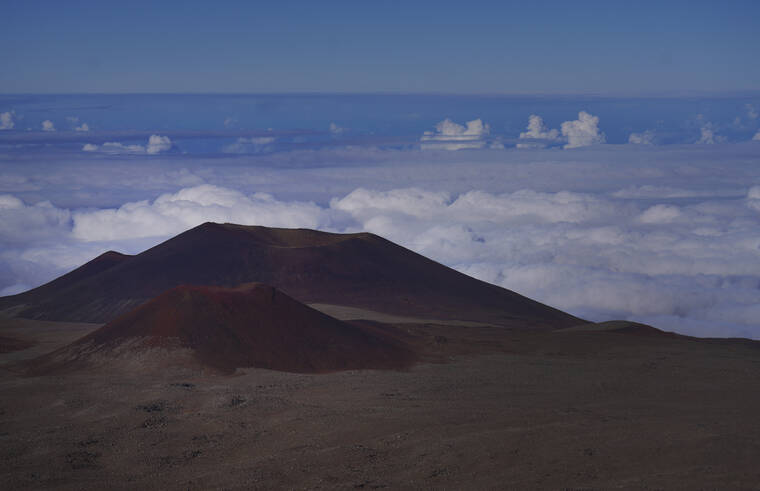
[[355, 270], [253, 325]]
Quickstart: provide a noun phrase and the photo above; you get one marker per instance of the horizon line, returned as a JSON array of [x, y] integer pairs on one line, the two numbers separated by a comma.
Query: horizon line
[[591, 94]]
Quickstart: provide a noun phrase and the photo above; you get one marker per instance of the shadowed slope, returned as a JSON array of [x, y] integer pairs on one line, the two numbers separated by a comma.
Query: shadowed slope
[[59, 286], [621, 327], [358, 270], [253, 325]]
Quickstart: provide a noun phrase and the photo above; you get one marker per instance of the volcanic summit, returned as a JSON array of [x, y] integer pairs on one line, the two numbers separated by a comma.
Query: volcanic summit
[[358, 270]]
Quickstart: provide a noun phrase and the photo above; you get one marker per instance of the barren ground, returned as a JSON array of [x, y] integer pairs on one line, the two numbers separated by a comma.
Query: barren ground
[[489, 408]]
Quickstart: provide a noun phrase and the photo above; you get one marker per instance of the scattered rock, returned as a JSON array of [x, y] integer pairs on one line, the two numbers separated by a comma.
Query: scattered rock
[[236, 401], [155, 421], [183, 385], [82, 460], [153, 407]]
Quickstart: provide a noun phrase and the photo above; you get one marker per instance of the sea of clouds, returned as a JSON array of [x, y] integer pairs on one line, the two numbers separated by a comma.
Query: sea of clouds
[[663, 234]]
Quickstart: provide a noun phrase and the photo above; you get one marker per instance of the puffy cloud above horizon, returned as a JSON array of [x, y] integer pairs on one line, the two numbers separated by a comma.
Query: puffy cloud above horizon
[[752, 112], [6, 120], [538, 131], [449, 135], [74, 120], [254, 144], [582, 132], [757, 136], [48, 125], [156, 144], [645, 138], [707, 135]]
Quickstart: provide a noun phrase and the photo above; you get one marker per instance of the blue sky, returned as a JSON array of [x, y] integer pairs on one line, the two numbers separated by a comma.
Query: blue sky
[[453, 47]]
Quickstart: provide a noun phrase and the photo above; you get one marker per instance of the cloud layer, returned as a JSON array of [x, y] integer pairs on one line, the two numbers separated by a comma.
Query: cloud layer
[[658, 230], [692, 266]]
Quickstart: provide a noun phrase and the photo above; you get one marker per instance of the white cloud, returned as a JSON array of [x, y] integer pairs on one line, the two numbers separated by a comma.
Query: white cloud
[[6, 120], [753, 198], [254, 144], [582, 132], [156, 145], [660, 214], [116, 148], [707, 135], [661, 192], [645, 138], [48, 125], [170, 214], [22, 223], [335, 129], [537, 131], [363, 203], [82, 127], [757, 136], [230, 122], [752, 112], [449, 135]]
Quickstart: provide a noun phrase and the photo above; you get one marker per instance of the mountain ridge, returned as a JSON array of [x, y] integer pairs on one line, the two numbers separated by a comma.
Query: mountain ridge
[[359, 270]]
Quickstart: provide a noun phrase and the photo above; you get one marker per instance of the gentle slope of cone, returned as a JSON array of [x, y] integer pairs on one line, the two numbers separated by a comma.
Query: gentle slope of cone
[[359, 270], [253, 325]]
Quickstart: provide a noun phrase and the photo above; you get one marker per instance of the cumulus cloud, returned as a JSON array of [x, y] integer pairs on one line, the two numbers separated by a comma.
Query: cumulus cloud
[[752, 112], [335, 129], [6, 120], [255, 144], [707, 136], [82, 127], [582, 132], [645, 138], [230, 122], [538, 131], [449, 135], [48, 125], [757, 136], [156, 144]]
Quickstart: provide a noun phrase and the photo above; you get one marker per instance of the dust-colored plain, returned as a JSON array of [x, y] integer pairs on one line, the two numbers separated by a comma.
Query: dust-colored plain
[[489, 409]]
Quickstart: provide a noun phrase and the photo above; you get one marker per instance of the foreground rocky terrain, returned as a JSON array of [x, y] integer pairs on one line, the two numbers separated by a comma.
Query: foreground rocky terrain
[[508, 409]]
